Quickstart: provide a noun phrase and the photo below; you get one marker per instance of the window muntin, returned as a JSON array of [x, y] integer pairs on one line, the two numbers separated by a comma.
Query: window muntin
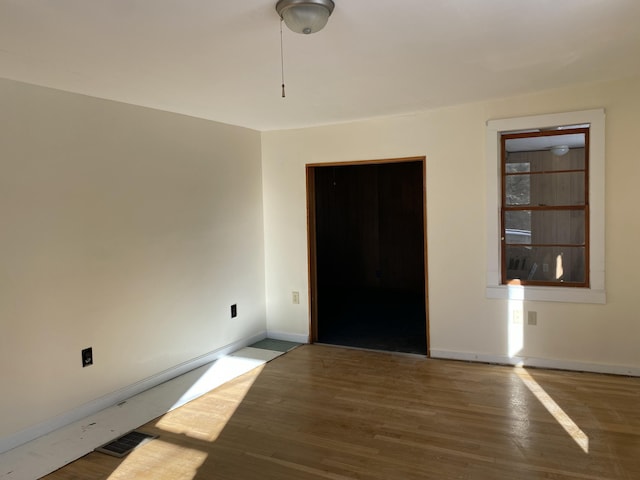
[[545, 208]]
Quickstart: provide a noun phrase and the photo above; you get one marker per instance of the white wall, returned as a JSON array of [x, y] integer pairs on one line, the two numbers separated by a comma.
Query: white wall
[[132, 231], [125, 229], [463, 323]]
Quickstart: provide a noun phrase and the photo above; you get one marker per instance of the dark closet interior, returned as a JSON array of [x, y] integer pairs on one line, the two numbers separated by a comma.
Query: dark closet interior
[[370, 265]]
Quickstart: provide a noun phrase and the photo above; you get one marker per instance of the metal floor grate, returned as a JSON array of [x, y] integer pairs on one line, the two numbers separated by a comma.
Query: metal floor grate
[[126, 443]]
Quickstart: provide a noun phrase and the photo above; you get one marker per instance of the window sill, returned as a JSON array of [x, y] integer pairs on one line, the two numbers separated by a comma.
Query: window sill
[[546, 294]]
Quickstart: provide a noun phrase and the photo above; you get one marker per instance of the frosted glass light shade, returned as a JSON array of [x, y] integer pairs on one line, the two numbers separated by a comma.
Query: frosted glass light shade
[[560, 150], [305, 16]]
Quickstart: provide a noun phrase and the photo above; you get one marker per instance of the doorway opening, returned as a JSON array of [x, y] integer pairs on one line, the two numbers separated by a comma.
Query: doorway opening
[[367, 254]]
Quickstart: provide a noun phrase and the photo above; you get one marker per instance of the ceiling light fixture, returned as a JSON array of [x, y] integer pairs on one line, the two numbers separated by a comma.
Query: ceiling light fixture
[[305, 16], [560, 150], [302, 16]]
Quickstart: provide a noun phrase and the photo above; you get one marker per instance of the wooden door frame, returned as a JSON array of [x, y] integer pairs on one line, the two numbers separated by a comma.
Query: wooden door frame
[[311, 236]]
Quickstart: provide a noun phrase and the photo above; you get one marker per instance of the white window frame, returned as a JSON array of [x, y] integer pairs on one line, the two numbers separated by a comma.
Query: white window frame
[[595, 293]]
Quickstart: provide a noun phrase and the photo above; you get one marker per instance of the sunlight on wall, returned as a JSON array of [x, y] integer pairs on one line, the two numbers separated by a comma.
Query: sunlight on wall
[[515, 319], [554, 409]]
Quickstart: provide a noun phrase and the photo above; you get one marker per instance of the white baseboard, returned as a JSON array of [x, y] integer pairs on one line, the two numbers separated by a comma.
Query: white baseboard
[[289, 337], [95, 406], [538, 362]]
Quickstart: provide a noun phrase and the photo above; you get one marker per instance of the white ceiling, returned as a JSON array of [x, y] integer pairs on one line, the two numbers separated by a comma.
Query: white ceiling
[[220, 60]]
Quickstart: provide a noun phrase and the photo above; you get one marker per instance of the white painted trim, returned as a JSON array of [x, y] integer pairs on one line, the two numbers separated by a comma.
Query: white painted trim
[[111, 399], [289, 337], [549, 294], [557, 364], [596, 119]]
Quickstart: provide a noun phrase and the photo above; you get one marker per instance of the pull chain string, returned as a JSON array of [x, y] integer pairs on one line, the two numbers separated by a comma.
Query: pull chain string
[[282, 58]]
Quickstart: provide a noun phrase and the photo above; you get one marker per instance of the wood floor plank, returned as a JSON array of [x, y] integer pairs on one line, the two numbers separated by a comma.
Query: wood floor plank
[[322, 412]]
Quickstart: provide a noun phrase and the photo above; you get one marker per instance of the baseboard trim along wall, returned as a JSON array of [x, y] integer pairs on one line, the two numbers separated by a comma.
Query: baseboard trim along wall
[[537, 362], [118, 396], [95, 406]]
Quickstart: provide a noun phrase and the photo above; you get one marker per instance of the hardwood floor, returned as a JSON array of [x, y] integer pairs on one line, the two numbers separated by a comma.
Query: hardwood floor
[[323, 412]]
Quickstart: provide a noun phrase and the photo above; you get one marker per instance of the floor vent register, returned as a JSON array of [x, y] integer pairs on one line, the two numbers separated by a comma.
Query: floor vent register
[[125, 444]]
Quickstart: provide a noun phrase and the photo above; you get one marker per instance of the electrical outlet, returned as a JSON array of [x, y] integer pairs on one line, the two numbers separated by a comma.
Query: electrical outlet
[[87, 357], [517, 317], [295, 297], [234, 311], [532, 318]]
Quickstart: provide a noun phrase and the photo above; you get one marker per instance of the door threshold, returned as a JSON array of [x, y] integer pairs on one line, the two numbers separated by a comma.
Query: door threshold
[[394, 352]]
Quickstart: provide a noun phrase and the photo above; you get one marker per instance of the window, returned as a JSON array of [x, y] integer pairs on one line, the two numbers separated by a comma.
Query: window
[[545, 207], [545, 210]]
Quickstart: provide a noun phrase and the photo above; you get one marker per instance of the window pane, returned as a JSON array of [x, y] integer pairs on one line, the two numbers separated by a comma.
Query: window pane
[[518, 190], [517, 167], [548, 162], [546, 264], [558, 189], [518, 227], [545, 205], [545, 226], [545, 189], [545, 161]]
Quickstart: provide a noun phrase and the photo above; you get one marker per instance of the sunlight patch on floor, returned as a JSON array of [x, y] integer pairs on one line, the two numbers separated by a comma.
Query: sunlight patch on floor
[[49, 452], [216, 412], [218, 409], [555, 410], [225, 369], [180, 462]]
